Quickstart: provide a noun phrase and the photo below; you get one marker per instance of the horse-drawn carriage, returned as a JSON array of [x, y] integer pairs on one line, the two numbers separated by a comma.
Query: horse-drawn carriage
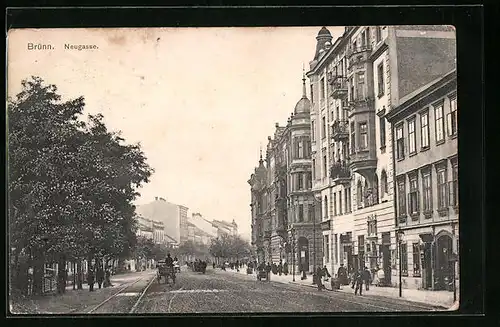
[[165, 272], [199, 266]]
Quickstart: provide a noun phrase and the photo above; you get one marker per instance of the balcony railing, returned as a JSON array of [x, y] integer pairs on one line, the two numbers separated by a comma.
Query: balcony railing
[[267, 234], [340, 173], [340, 130], [326, 225]]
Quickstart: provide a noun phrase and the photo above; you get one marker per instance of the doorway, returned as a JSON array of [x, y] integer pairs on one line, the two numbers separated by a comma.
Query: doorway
[[427, 266], [303, 245], [444, 268], [386, 262]]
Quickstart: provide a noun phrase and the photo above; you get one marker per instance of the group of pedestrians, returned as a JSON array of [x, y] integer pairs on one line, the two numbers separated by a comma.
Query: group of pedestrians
[[100, 275], [360, 277]]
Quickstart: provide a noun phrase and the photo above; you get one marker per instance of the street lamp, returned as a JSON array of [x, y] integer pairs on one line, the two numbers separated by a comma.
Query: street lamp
[[293, 254], [454, 258], [400, 236], [317, 201]]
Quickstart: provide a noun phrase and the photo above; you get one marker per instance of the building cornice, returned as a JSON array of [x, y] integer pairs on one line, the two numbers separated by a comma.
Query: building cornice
[[424, 97]]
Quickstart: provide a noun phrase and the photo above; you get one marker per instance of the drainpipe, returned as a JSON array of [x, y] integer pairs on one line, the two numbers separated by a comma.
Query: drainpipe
[[394, 187]]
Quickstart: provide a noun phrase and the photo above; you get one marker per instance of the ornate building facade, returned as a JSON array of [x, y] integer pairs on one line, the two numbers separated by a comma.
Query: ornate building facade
[[284, 220], [355, 82]]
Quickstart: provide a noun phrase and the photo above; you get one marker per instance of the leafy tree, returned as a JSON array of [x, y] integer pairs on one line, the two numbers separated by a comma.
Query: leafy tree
[[71, 184]]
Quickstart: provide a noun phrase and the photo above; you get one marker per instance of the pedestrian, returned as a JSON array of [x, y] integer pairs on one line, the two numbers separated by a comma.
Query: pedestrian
[[100, 276], [367, 278], [381, 277], [107, 277], [318, 277], [90, 279], [280, 268], [268, 271], [285, 268], [342, 275], [358, 280], [303, 270], [326, 274]]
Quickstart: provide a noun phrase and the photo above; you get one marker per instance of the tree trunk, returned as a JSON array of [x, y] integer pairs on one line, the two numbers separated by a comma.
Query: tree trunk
[[80, 274], [73, 269], [61, 274], [38, 274]]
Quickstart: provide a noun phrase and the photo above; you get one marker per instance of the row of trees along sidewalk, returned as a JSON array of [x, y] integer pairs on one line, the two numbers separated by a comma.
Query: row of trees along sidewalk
[[71, 184], [230, 247]]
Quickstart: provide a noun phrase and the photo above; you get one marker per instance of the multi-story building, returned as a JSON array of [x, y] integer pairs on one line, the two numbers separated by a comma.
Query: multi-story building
[[151, 229], [225, 228], [283, 207], [355, 82], [173, 217], [425, 130]]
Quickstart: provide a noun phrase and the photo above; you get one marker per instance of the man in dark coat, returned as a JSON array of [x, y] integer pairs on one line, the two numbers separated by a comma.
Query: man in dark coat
[[100, 276], [268, 271], [280, 268], [358, 279], [319, 277], [366, 277], [342, 275], [90, 279]]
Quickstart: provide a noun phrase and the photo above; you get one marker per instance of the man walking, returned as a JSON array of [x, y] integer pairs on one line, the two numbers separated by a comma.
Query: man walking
[[100, 276], [358, 280], [366, 277], [90, 279]]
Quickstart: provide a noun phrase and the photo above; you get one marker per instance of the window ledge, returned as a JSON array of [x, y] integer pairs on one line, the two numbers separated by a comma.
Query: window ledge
[[382, 148], [401, 159], [439, 142], [443, 211], [380, 95], [417, 275], [428, 214], [402, 219], [412, 154], [414, 216], [454, 136], [404, 274], [425, 148]]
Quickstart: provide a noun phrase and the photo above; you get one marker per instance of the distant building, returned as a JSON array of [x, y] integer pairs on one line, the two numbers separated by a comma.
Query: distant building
[[225, 228], [151, 229], [173, 217]]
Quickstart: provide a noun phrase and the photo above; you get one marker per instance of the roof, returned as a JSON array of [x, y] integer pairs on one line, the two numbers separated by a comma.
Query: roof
[[303, 106]]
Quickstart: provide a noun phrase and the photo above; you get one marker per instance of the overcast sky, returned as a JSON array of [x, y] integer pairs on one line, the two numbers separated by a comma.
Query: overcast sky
[[200, 100]]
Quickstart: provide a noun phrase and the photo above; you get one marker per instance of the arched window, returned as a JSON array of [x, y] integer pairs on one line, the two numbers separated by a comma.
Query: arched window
[[366, 195], [359, 194], [325, 210], [383, 184], [375, 189]]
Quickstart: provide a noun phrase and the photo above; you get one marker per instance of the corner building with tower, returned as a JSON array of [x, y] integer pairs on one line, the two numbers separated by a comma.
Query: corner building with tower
[[354, 83], [285, 225]]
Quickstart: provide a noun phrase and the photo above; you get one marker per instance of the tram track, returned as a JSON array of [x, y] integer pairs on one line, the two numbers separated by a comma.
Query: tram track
[[123, 291]]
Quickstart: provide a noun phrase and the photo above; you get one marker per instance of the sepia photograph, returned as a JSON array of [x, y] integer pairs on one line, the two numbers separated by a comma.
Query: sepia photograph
[[202, 170]]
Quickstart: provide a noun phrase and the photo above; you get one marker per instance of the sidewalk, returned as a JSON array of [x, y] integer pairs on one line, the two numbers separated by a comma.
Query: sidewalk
[[437, 298], [73, 300]]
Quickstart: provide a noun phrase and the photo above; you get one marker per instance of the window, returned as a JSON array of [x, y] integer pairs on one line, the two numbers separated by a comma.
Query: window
[[382, 132], [340, 203], [307, 149], [453, 187], [424, 130], [337, 113], [361, 250], [348, 200], [359, 195], [363, 136], [416, 260], [360, 92], [400, 142], [427, 190], [401, 197], [325, 170], [323, 127], [301, 213], [372, 227], [325, 213], [441, 188], [413, 198], [403, 256], [312, 93], [335, 248], [412, 141], [310, 210], [300, 181], [327, 248], [301, 149], [353, 138], [314, 168], [334, 204], [322, 90], [313, 130], [378, 34], [383, 184], [452, 119], [363, 39], [380, 77], [309, 180], [438, 113]]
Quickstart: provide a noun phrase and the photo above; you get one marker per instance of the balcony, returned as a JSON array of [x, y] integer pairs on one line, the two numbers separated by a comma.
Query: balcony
[[360, 103], [340, 173], [338, 86], [340, 130], [267, 234], [358, 56], [362, 160]]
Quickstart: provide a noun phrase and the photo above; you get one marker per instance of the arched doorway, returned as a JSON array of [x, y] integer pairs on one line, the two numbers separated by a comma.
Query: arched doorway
[[303, 246], [443, 267]]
